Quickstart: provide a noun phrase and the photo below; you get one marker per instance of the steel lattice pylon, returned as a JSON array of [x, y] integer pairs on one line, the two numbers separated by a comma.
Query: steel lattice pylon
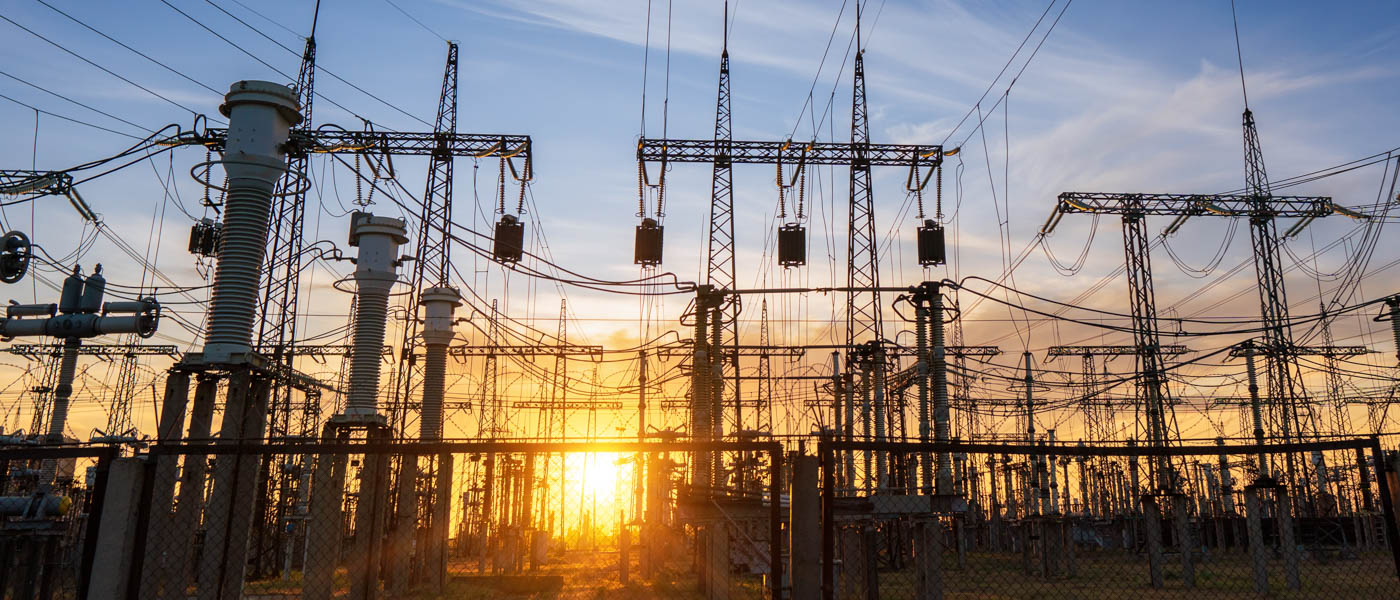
[[1154, 396], [281, 277], [433, 239], [863, 322], [1285, 396], [719, 271]]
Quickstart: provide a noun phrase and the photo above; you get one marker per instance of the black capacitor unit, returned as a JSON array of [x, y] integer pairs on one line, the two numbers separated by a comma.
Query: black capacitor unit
[[792, 245], [647, 250], [931, 250], [509, 244], [204, 237]]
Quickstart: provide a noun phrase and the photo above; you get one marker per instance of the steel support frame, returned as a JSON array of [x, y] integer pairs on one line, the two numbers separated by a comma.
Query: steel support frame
[[1152, 388]]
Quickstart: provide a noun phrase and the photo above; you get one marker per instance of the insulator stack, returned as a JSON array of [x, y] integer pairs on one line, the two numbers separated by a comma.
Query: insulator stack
[[260, 115], [378, 239], [438, 306]]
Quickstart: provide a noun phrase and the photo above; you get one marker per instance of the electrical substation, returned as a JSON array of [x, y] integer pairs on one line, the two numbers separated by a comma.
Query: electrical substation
[[348, 388]]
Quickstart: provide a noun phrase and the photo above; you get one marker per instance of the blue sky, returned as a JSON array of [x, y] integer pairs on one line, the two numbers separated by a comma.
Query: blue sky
[[1121, 97]]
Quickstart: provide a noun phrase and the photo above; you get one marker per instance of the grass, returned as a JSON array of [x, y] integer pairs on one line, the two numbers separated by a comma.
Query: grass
[[585, 575], [1116, 575]]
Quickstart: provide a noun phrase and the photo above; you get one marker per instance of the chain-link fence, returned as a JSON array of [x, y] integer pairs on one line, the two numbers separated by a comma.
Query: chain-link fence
[[368, 518], [51, 516], [1053, 521]]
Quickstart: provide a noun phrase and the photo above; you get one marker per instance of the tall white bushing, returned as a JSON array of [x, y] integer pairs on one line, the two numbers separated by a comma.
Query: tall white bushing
[[378, 239], [438, 305], [260, 114]]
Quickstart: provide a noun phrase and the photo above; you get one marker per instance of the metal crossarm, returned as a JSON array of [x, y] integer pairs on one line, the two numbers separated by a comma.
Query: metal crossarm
[[1110, 350], [1225, 205], [398, 143], [102, 350], [539, 350], [926, 156]]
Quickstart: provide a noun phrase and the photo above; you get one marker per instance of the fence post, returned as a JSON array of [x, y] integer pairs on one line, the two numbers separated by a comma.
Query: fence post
[[1068, 539], [442, 515], [1285, 537], [804, 528], [775, 523], [928, 558], [717, 562], [1153, 522], [1392, 536], [113, 562], [1257, 551], [828, 458], [95, 502], [1024, 535], [140, 530], [869, 549], [1184, 540], [624, 546], [325, 520]]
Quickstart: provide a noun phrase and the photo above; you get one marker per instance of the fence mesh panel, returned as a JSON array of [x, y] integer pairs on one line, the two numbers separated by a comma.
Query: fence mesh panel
[[1046, 522], [499, 521]]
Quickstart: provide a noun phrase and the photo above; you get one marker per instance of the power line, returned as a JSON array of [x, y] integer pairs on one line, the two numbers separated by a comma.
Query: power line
[[1004, 67], [269, 19], [69, 119], [138, 52], [415, 20], [318, 68], [61, 96], [105, 69]]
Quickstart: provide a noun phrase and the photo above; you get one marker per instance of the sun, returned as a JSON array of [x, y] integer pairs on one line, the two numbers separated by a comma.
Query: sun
[[600, 474]]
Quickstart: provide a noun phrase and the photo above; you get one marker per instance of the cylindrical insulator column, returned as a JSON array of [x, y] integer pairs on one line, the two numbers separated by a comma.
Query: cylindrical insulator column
[[921, 384], [438, 306], [378, 239], [1255, 411], [701, 423], [67, 369], [1394, 304], [941, 415], [260, 114]]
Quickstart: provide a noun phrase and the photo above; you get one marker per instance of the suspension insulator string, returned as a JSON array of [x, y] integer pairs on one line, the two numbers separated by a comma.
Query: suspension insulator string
[[661, 191], [918, 192], [641, 189], [208, 160], [782, 202], [501, 189], [801, 194], [938, 193], [359, 190]]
